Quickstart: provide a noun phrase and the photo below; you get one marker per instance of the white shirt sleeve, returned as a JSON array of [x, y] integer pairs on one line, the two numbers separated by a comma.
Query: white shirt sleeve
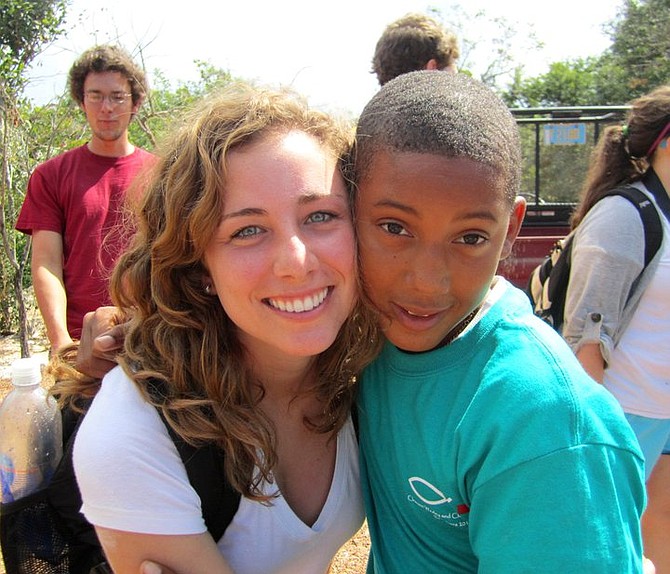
[[129, 471]]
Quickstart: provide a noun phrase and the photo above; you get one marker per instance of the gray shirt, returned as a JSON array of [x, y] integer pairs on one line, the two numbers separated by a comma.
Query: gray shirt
[[606, 283]]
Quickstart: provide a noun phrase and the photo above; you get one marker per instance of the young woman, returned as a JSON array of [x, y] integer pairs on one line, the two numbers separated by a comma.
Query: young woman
[[243, 288], [617, 313]]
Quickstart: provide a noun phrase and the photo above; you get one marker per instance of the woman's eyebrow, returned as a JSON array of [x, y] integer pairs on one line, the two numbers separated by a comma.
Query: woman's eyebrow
[[245, 212]]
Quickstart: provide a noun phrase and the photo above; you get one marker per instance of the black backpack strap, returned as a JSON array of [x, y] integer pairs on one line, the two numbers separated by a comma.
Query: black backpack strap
[[354, 418], [206, 473], [205, 469], [558, 286], [655, 186], [653, 229]]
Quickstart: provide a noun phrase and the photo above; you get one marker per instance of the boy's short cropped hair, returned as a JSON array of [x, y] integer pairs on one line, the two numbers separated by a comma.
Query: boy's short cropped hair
[[452, 115], [409, 43]]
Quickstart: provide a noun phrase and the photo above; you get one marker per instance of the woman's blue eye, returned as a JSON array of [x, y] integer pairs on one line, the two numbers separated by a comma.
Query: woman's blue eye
[[320, 217], [247, 232], [394, 228]]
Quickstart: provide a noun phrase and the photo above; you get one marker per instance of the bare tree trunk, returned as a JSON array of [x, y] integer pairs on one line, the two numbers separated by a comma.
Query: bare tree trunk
[[23, 315], [8, 244]]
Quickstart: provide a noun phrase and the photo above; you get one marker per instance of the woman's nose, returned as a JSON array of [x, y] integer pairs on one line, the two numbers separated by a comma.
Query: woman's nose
[[294, 258]]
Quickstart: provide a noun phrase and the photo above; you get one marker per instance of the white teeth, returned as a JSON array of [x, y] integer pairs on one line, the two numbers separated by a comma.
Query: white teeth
[[417, 315], [299, 305]]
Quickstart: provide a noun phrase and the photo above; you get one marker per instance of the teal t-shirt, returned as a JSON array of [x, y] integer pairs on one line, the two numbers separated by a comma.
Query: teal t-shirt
[[497, 454]]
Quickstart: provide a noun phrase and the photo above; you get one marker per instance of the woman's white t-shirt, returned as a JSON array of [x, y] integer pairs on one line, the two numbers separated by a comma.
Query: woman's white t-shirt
[[637, 374], [132, 479]]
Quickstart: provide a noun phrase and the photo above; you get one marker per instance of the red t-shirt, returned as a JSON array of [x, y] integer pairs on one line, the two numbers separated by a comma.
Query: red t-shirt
[[80, 195]]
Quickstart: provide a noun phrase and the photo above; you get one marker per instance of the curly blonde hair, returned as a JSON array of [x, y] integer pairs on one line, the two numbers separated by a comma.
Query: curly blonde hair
[[181, 348]]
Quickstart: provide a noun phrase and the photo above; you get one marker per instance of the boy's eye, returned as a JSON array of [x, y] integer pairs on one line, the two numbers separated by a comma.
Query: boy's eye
[[394, 228], [471, 239], [250, 231]]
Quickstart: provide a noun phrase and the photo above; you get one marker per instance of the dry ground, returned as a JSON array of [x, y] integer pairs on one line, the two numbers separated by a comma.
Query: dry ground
[[351, 559]]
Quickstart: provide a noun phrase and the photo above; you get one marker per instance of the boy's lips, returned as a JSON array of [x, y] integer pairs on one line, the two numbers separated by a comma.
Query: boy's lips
[[416, 319], [418, 314]]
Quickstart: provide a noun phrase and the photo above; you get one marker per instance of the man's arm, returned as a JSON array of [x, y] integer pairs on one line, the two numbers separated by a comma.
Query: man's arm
[[47, 270]]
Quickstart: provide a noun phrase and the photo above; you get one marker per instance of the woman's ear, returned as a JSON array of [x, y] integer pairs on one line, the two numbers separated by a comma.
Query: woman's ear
[[208, 285]]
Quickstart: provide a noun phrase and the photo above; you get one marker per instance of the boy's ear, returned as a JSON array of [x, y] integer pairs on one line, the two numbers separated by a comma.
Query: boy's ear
[[514, 226]]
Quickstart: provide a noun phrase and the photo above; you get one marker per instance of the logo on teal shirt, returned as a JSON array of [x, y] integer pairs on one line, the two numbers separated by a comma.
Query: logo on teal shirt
[[442, 507]]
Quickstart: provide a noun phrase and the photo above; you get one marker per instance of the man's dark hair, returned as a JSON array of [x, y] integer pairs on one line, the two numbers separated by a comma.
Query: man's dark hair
[[409, 43], [107, 58]]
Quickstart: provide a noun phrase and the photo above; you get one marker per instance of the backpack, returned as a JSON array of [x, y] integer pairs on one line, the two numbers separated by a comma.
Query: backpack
[[548, 282], [45, 533]]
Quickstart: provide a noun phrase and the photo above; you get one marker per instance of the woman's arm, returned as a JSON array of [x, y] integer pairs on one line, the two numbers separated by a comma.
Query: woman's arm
[[183, 554], [607, 258], [591, 358]]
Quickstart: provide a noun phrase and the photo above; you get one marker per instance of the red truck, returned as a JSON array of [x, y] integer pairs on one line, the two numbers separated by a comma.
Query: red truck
[[556, 148]]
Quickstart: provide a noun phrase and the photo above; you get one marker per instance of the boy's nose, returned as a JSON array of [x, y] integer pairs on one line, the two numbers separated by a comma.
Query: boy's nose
[[430, 271]]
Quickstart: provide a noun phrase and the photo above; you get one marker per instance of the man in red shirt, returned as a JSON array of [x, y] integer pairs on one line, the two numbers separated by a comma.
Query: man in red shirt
[[74, 202]]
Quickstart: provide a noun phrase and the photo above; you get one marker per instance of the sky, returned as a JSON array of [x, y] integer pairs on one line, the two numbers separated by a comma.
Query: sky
[[324, 50]]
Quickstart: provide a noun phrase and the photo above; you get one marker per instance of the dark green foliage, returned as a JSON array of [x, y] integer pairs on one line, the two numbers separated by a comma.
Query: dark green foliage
[[637, 62], [641, 48], [25, 27]]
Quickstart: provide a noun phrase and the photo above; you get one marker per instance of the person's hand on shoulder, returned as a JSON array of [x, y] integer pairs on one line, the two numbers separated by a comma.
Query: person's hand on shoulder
[[149, 567], [102, 335]]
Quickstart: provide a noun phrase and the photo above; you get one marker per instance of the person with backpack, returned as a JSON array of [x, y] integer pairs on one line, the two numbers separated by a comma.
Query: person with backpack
[[617, 310], [247, 332]]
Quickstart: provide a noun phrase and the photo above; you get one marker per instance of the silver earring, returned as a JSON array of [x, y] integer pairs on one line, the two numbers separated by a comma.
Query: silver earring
[[208, 289]]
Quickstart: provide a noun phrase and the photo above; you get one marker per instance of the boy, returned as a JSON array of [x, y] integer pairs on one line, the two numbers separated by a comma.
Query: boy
[[484, 445]]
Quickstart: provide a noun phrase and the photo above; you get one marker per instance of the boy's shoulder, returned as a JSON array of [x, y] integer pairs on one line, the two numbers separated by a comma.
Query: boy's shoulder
[[525, 361]]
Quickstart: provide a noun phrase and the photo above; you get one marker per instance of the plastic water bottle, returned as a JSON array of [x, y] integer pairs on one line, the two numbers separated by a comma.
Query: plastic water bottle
[[30, 433]]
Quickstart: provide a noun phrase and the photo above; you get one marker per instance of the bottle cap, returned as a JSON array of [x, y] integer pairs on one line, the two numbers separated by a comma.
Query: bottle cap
[[26, 372]]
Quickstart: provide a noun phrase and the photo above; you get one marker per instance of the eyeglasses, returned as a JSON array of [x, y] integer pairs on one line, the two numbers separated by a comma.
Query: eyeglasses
[[115, 98]]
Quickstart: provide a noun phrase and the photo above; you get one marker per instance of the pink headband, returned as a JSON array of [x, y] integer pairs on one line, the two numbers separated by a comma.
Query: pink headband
[[659, 139]]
